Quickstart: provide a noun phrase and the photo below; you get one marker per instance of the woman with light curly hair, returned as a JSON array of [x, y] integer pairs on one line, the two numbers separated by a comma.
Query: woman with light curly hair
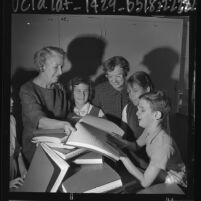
[[43, 99]]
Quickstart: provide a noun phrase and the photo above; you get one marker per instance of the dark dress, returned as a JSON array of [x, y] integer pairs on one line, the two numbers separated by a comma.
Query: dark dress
[[132, 128], [38, 102]]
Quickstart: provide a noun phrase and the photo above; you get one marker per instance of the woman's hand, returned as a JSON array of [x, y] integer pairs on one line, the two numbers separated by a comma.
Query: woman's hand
[[16, 183], [68, 128]]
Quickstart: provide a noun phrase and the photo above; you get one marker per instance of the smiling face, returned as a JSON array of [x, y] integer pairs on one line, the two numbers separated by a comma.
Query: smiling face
[[116, 78], [81, 94], [53, 67], [135, 91], [145, 115]]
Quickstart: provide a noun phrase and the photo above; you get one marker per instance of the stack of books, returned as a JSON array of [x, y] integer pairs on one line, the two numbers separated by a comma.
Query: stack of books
[[85, 148], [79, 155], [51, 137]]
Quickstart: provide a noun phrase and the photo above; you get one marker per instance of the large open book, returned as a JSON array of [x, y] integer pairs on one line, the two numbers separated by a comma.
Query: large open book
[[93, 133], [46, 171], [97, 178], [96, 134], [102, 124]]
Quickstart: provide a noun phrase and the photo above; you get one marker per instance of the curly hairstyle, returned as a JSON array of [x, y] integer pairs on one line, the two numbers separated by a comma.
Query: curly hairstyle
[[159, 101], [111, 63], [41, 55]]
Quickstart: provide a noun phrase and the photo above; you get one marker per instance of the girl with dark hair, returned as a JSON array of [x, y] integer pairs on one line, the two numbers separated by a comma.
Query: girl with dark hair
[[81, 96], [137, 84]]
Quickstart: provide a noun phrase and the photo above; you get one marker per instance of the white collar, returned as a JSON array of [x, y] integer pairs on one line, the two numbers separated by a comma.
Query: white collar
[[83, 111]]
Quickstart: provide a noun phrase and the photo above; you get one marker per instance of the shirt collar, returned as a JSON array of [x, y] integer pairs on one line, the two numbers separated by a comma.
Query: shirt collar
[[83, 111]]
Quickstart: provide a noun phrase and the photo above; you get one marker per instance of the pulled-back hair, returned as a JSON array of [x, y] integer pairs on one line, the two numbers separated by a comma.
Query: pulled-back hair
[[158, 101], [41, 55], [120, 61], [142, 79]]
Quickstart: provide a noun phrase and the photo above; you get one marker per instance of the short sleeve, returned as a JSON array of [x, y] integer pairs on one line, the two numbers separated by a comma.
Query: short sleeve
[[31, 109]]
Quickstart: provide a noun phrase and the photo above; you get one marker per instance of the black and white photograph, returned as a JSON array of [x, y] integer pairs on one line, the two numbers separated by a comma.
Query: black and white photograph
[[100, 96]]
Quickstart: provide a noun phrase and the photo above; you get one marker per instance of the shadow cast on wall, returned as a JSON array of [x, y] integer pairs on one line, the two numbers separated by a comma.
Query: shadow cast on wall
[[85, 54], [161, 63]]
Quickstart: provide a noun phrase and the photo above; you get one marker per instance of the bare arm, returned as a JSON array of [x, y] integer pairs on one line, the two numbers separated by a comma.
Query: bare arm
[[146, 178], [135, 145], [47, 123]]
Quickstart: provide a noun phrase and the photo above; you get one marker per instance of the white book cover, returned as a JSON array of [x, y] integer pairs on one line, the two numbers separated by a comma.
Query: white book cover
[[89, 158], [102, 124], [94, 139]]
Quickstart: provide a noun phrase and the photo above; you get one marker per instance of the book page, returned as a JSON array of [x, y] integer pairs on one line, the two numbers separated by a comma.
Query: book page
[[48, 139], [69, 153], [59, 145], [90, 157], [92, 138], [49, 135], [103, 124]]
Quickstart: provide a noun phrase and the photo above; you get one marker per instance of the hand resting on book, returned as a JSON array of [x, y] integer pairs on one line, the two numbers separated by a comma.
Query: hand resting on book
[[64, 139], [68, 129]]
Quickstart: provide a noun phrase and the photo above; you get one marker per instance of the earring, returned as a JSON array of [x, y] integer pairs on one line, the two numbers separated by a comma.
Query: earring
[[42, 69]]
